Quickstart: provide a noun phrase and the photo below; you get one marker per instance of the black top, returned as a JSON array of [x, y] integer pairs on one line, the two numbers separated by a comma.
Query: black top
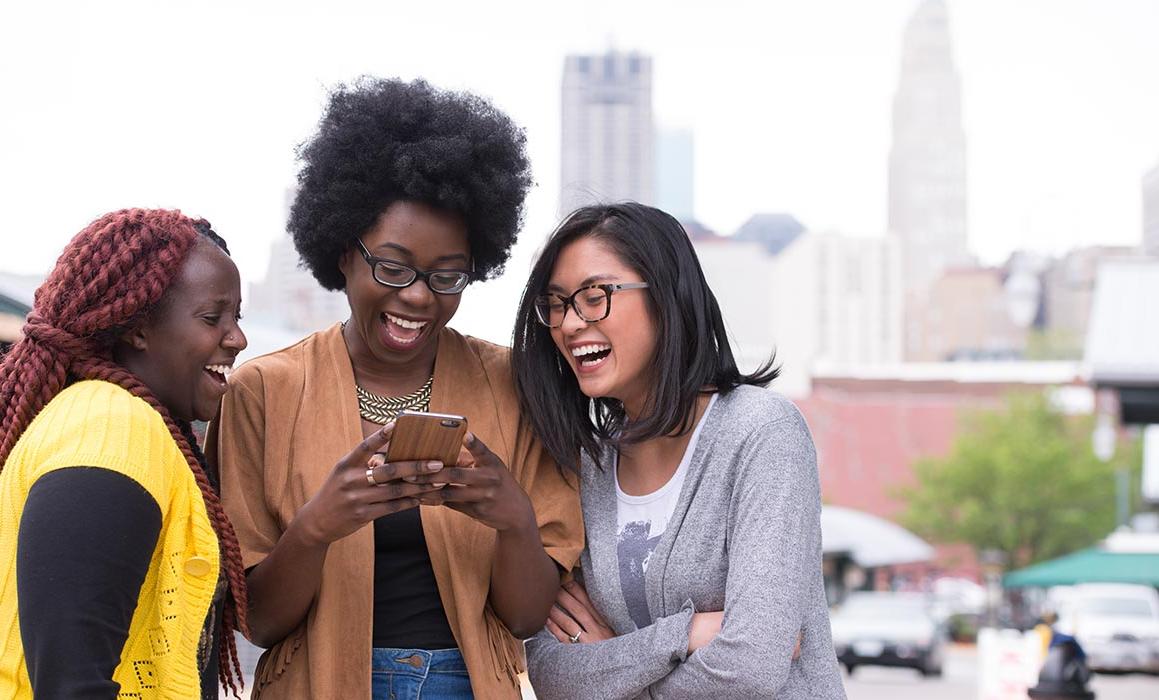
[[408, 612], [86, 538]]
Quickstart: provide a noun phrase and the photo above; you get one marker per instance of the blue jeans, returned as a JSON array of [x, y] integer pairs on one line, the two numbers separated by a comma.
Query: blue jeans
[[419, 674]]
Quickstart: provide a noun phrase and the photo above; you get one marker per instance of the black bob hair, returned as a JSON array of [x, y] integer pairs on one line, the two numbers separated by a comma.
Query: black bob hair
[[692, 350], [383, 141]]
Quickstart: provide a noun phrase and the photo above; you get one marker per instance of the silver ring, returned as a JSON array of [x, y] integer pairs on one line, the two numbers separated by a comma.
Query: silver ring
[[370, 477], [575, 637]]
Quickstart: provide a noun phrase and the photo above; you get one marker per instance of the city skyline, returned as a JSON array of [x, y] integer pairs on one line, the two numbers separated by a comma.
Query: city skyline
[[790, 110], [607, 135]]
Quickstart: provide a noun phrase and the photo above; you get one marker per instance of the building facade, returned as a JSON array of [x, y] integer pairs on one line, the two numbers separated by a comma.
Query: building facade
[[823, 300], [607, 134], [289, 297], [1151, 212]]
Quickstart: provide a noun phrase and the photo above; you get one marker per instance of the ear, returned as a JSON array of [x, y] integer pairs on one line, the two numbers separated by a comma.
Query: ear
[[346, 260], [137, 338]]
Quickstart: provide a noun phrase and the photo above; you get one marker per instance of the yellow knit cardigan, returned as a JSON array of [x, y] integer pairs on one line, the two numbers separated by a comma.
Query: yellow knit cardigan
[[98, 424]]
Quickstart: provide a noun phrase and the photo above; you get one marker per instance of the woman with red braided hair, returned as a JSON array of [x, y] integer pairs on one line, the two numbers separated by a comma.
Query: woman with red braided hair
[[120, 574]]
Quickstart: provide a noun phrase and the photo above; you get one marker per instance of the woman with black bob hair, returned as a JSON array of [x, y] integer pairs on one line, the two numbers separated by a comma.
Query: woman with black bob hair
[[407, 194], [701, 575]]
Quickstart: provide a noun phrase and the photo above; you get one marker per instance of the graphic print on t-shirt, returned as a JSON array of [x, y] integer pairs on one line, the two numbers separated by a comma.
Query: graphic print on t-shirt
[[640, 523], [634, 547]]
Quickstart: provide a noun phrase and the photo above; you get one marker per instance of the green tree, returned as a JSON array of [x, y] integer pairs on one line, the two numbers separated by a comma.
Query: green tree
[[1023, 480]]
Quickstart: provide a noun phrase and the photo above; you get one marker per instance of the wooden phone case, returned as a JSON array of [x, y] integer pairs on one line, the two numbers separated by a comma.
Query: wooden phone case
[[426, 436]]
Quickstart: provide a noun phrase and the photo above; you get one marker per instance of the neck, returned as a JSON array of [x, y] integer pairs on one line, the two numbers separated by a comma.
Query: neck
[[662, 453], [387, 378]]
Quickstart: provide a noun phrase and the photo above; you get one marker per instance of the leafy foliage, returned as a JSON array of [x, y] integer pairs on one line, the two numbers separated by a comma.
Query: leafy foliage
[[1023, 481]]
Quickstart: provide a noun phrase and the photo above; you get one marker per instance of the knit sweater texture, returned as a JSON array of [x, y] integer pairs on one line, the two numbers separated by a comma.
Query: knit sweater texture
[[744, 538], [99, 424]]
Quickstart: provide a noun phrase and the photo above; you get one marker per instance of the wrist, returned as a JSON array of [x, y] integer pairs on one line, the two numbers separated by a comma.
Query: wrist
[[303, 531], [521, 527]]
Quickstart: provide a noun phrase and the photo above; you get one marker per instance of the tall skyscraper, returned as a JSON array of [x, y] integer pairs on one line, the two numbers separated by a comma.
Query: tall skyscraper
[[607, 135], [927, 161], [1151, 212]]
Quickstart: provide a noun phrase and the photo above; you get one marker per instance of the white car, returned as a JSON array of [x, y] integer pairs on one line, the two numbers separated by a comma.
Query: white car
[[889, 629], [1117, 625]]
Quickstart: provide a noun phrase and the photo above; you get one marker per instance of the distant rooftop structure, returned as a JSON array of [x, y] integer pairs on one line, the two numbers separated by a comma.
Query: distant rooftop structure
[[697, 231], [1053, 372], [1122, 346], [775, 231]]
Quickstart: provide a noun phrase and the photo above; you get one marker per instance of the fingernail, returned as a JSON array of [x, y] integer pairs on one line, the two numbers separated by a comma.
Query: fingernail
[[434, 466], [470, 438], [410, 479]]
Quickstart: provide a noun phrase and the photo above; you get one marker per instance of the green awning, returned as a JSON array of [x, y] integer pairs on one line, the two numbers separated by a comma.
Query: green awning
[[1092, 565]]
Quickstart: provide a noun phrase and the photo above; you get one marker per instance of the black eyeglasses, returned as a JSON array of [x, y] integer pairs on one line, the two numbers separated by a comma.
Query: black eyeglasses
[[395, 274], [591, 304]]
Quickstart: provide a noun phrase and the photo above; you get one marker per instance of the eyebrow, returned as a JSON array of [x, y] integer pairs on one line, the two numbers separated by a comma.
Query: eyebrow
[[218, 302], [587, 282], [407, 252]]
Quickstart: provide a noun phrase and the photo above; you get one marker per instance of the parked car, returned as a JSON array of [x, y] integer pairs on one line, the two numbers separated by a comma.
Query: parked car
[[889, 629], [1117, 625]]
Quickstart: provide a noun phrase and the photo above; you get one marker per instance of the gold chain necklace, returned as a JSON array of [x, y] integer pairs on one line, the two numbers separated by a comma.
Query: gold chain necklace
[[383, 409]]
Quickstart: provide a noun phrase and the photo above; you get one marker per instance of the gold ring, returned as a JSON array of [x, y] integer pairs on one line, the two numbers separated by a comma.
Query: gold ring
[[370, 477]]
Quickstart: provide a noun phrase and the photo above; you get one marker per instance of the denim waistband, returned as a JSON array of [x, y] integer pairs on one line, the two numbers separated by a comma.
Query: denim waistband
[[417, 662]]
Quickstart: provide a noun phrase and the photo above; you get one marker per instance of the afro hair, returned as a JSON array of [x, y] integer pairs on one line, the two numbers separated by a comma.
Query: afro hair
[[382, 141]]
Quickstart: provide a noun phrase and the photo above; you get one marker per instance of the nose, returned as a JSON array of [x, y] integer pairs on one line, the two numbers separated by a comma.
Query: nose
[[572, 323], [235, 339], [417, 294]]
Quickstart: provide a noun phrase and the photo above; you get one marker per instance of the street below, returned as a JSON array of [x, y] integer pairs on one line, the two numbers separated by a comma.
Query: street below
[[960, 682]]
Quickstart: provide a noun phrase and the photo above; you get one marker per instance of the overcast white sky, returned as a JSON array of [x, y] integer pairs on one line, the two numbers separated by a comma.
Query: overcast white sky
[[199, 106]]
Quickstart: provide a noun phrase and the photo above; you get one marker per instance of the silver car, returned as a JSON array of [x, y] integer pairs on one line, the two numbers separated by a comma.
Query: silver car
[[889, 629]]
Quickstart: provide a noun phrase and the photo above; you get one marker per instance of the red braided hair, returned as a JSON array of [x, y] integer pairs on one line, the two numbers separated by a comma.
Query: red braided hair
[[109, 277]]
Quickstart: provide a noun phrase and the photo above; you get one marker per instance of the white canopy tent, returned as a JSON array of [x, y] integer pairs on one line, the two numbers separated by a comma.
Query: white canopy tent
[[868, 540]]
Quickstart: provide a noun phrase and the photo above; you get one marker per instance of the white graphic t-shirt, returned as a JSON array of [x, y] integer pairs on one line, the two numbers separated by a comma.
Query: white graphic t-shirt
[[640, 521]]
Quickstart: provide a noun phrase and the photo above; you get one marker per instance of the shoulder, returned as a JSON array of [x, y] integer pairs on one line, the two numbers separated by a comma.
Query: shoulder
[[479, 365], [495, 359], [749, 408], [754, 427], [93, 399], [280, 366], [99, 424]]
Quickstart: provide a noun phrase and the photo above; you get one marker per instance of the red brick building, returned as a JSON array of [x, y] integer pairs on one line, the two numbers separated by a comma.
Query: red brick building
[[870, 428]]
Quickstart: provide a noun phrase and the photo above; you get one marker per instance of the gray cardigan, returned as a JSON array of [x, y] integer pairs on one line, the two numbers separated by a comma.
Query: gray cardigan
[[745, 538]]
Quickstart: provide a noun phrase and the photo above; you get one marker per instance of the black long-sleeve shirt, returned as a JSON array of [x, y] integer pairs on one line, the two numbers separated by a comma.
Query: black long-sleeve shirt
[[85, 541]]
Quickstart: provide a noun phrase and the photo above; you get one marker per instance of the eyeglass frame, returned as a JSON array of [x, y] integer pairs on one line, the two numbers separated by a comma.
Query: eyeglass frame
[[569, 301], [424, 275]]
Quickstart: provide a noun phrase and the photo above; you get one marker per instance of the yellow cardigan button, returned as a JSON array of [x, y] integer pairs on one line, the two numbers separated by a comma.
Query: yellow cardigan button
[[198, 566]]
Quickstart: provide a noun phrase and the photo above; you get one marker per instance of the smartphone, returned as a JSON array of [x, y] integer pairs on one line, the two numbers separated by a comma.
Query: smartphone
[[426, 436]]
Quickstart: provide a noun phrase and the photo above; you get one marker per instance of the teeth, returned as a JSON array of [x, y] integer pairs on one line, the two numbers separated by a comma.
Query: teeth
[[405, 323], [589, 349], [223, 370]]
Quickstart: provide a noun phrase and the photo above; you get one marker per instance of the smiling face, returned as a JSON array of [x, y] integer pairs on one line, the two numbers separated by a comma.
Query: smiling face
[[186, 348], [399, 327], [612, 357]]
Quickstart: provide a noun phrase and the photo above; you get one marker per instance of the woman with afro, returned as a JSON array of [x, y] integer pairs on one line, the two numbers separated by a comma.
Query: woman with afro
[[120, 575], [405, 579]]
